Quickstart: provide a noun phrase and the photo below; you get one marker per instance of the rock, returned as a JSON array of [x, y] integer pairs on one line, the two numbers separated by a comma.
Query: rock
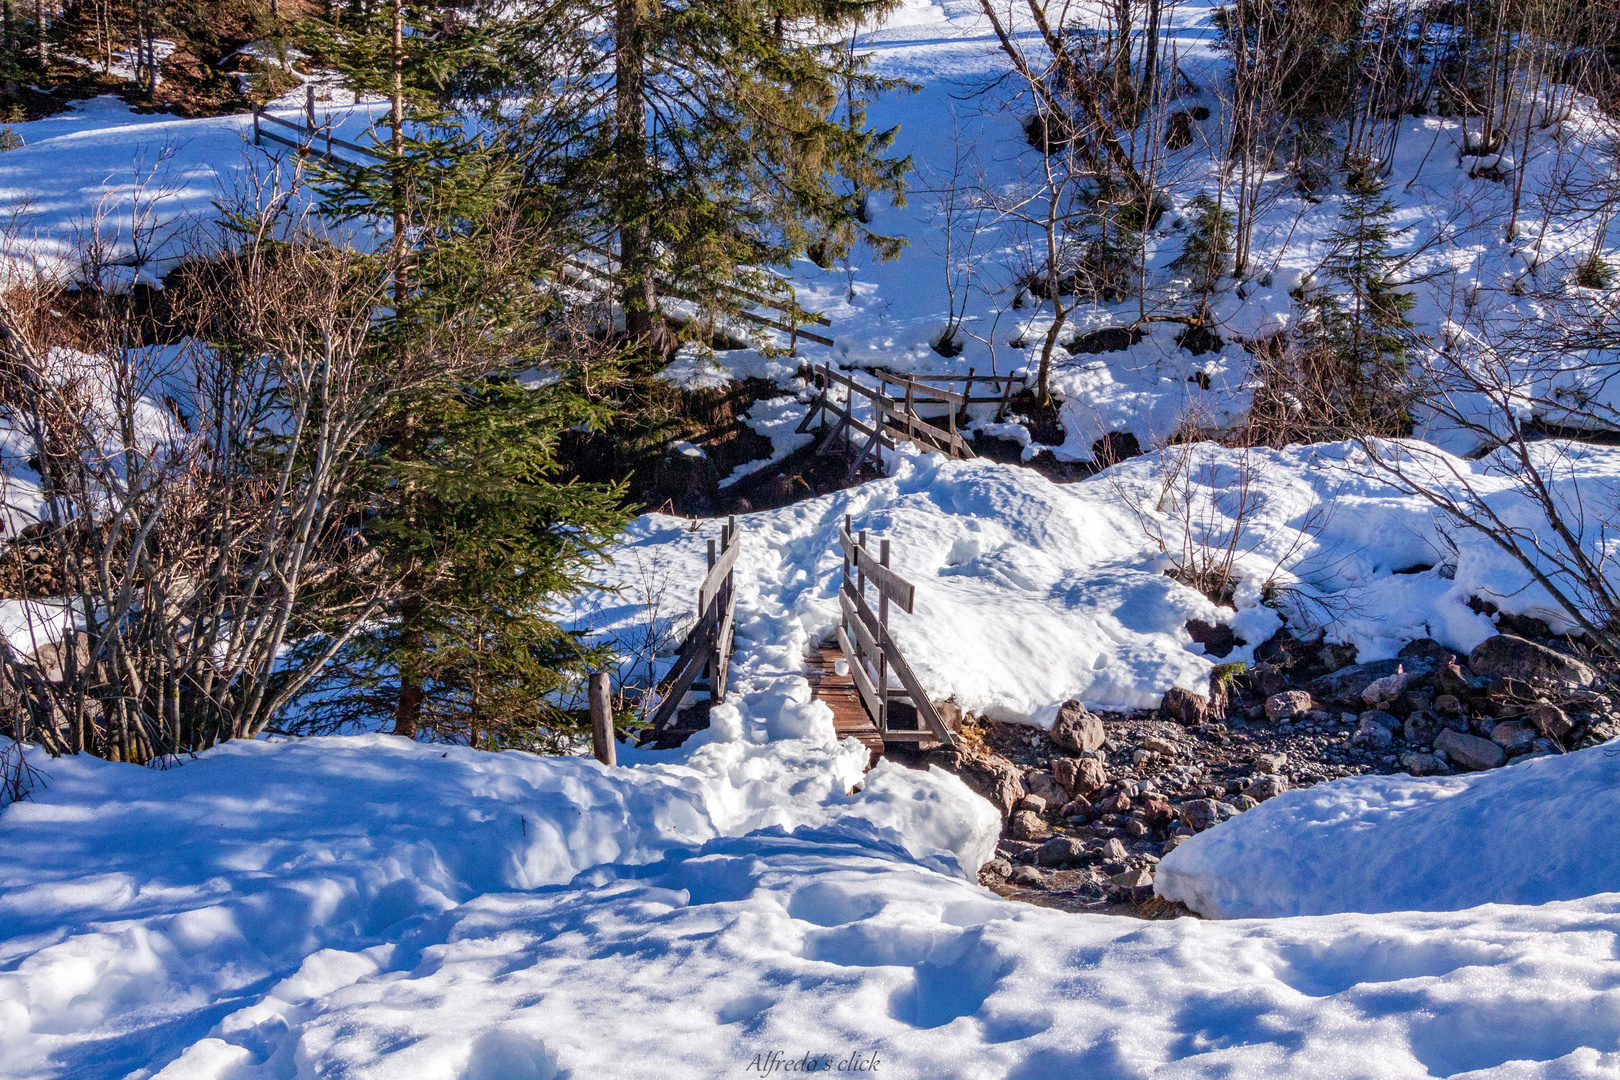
[[1385, 690], [1550, 721], [1184, 707], [1447, 703], [1379, 716], [1241, 803], [1419, 701], [1160, 746], [1136, 828], [1287, 705], [1218, 639], [1060, 851], [1271, 763], [1075, 808], [1113, 850], [1027, 825], [1421, 728], [1345, 686], [1516, 660], [1118, 803], [1033, 803], [1451, 679], [1266, 787], [1157, 812], [1076, 729], [1469, 751], [1200, 814], [995, 778], [1373, 734], [1000, 868], [1514, 736], [1040, 782], [1173, 843], [1420, 764], [1028, 877], [1133, 879], [1425, 649]]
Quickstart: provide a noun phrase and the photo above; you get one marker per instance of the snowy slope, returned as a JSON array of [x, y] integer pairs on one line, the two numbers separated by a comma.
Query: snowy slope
[[1030, 593], [369, 908]]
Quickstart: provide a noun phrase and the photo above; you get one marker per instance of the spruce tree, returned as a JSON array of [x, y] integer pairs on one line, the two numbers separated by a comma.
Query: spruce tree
[[469, 512], [1358, 321], [731, 125]]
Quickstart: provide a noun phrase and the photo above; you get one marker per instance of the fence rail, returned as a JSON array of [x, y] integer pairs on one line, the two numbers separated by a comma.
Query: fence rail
[[707, 649], [872, 655], [894, 418]]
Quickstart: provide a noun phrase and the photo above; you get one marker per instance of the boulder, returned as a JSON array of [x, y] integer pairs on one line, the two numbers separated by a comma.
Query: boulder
[[1449, 679], [1027, 824], [1060, 851], [1271, 763], [1113, 851], [1447, 703], [1516, 660], [1385, 690], [1133, 879], [1373, 734], [997, 779], [1000, 868], [1287, 705], [1157, 812], [1550, 721], [1200, 814], [1080, 776], [1076, 729], [1345, 686], [1514, 736], [1117, 803], [1420, 764], [1033, 803], [1421, 728], [1266, 787], [1136, 828], [1040, 782], [1425, 649], [1075, 808], [1160, 746], [1184, 707], [1028, 877], [1241, 803], [1379, 716], [1469, 751]]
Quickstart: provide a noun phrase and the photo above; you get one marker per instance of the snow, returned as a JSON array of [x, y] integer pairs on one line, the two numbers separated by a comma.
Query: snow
[[368, 907], [1536, 831]]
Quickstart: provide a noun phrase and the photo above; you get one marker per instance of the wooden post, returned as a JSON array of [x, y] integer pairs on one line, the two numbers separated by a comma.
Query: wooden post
[[309, 108], [602, 744], [883, 646]]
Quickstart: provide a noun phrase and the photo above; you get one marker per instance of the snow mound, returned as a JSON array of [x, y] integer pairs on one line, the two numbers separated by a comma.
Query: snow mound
[[1534, 832]]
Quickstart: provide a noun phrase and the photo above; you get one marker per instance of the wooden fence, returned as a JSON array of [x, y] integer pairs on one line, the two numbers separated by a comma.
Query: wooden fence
[[310, 138], [895, 417], [707, 649], [872, 655]]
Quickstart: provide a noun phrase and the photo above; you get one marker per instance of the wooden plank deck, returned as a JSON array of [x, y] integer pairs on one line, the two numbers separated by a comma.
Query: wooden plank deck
[[838, 691]]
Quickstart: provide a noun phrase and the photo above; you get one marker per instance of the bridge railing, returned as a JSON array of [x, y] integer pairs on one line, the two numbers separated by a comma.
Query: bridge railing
[[872, 655], [707, 649]]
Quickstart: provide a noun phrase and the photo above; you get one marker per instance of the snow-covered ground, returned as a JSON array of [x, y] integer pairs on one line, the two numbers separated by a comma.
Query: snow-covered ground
[[371, 908]]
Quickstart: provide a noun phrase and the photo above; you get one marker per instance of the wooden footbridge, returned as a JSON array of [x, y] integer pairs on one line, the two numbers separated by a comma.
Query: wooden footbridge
[[860, 672]]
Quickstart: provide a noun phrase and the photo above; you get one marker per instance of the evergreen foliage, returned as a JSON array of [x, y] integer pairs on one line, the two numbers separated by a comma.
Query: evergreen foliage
[[1207, 251]]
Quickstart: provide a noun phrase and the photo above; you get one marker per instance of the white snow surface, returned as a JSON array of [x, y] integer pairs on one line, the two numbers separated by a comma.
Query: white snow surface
[[1532, 832], [371, 908]]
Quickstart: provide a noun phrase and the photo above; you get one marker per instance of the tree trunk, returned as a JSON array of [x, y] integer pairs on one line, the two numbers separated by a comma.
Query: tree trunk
[[40, 54], [396, 140], [643, 322]]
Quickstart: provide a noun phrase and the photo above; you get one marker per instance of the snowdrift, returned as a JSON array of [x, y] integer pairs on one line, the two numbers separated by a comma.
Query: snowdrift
[[1540, 830]]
